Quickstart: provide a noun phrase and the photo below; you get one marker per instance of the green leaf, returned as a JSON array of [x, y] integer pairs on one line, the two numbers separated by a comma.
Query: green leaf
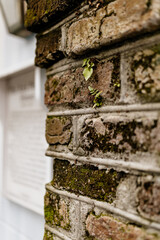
[[90, 88], [92, 64], [98, 94], [88, 63], [84, 62], [87, 73]]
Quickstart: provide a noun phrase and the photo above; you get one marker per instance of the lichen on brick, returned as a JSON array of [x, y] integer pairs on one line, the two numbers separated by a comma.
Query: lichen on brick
[[118, 136], [87, 180], [146, 73], [56, 211]]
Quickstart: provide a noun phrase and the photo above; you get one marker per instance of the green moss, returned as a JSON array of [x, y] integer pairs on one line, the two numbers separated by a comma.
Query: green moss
[[48, 235], [86, 180], [52, 213], [30, 17]]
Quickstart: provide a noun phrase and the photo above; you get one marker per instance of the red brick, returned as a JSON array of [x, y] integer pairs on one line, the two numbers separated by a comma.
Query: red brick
[[105, 227]]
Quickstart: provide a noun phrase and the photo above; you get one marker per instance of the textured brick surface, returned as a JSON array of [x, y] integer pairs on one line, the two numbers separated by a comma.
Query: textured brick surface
[[104, 227], [126, 70], [146, 74], [118, 20], [72, 88], [149, 200], [44, 13], [58, 130], [120, 134], [86, 180], [48, 48]]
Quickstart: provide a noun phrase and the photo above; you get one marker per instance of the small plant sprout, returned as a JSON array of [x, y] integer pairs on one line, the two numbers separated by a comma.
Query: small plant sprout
[[87, 73], [97, 96], [88, 68]]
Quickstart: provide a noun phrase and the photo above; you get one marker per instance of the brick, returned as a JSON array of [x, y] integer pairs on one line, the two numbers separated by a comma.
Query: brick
[[145, 66], [72, 88], [105, 227], [149, 200], [120, 134], [48, 49], [56, 210], [86, 180], [42, 14], [118, 20], [58, 130]]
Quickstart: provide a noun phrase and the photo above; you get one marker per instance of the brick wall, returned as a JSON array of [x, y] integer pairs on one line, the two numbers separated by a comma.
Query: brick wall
[[106, 182]]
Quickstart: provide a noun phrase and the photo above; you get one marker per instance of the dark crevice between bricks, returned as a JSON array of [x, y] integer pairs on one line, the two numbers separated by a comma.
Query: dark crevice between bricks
[[43, 14]]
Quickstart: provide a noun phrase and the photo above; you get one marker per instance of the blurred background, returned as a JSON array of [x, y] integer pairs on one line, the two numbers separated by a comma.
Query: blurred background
[[24, 169]]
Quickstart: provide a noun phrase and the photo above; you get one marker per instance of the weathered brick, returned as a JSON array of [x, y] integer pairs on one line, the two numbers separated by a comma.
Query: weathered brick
[[48, 48], [42, 14], [58, 130], [120, 134], [119, 19], [105, 227], [145, 67], [149, 200], [56, 210], [87, 180], [72, 88]]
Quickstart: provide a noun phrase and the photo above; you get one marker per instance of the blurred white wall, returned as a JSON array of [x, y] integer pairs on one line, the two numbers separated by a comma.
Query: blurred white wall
[[16, 222]]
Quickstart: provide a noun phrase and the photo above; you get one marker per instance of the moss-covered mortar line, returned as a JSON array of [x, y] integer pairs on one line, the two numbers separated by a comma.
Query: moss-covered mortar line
[[57, 233], [106, 162], [108, 109], [103, 205]]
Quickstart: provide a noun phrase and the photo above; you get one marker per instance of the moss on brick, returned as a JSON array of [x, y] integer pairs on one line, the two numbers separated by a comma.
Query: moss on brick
[[54, 215], [87, 180], [119, 137], [48, 235]]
